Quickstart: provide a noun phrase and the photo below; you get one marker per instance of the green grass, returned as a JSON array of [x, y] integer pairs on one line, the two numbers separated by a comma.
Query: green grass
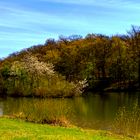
[[13, 129]]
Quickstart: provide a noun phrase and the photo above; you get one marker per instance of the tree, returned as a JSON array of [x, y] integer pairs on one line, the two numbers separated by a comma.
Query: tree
[[102, 47], [134, 42]]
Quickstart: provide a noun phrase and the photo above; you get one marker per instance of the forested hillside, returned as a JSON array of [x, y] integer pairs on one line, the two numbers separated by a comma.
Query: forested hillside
[[69, 65]]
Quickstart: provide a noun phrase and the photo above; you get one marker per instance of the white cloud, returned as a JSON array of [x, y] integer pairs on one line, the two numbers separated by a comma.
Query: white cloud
[[39, 22], [131, 4]]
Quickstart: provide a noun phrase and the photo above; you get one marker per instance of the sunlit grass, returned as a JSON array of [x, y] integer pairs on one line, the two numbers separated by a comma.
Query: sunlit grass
[[12, 129]]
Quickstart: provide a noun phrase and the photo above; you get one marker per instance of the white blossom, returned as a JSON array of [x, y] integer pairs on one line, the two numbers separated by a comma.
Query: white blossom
[[34, 66]]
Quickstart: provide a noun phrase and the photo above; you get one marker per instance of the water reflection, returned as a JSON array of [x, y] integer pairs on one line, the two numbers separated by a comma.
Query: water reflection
[[94, 111]]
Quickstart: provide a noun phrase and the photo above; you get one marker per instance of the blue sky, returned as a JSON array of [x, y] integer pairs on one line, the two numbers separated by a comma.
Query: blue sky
[[24, 23]]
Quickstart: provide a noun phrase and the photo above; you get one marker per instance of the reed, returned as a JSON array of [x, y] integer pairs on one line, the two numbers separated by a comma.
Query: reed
[[127, 121], [40, 112]]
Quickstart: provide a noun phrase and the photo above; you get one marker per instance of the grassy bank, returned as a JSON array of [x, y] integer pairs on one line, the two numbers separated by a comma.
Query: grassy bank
[[13, 129]]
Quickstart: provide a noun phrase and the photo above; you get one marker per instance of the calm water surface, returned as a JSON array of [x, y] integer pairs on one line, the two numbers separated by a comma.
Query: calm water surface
[[93, 111]]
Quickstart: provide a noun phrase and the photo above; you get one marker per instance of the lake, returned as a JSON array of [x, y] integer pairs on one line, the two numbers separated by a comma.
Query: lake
[[96, 110]]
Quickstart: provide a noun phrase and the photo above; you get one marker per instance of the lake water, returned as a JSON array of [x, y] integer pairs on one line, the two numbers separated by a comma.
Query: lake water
[[95, 111]]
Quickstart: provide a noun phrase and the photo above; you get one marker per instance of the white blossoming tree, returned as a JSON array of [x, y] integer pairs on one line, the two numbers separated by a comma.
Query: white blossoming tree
[[35, 67]]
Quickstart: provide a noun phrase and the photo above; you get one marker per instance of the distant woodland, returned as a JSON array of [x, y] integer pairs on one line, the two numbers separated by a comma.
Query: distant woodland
[[71, 65]]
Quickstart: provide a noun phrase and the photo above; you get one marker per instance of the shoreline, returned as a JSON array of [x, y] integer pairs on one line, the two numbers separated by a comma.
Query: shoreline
[[20, 129], [109, 90]]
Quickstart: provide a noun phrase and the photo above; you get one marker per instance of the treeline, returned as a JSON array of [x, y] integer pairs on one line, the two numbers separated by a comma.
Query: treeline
[[99, 61]]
